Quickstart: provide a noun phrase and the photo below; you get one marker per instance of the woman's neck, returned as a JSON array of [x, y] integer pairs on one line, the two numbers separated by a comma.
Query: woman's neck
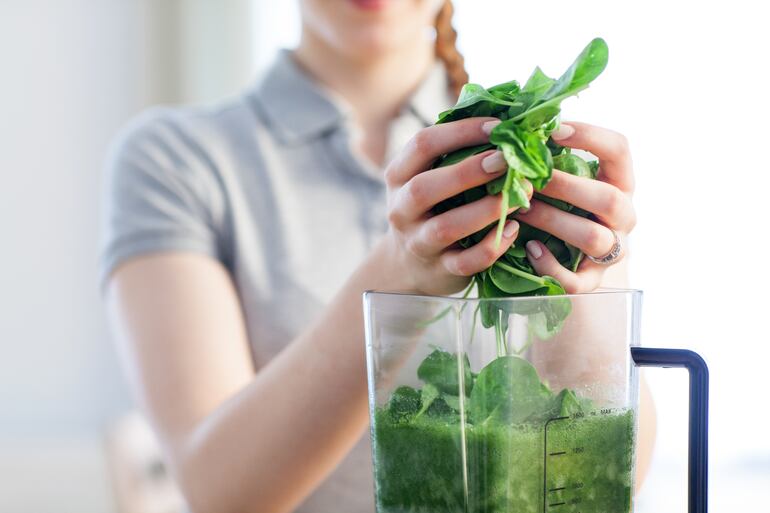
[[375, 87]]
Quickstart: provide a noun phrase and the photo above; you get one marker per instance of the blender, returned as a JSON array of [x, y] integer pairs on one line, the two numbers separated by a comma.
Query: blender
[[522, 404]]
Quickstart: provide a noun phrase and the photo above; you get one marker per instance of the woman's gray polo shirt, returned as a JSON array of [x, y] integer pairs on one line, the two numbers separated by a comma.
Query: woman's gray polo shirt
[[268, 184]]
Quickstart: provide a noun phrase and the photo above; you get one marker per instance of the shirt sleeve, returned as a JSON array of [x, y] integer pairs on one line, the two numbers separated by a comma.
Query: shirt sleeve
[[161, 193]]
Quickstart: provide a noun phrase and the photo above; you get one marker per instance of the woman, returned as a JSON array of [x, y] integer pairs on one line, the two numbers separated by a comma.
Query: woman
[[241, 238]]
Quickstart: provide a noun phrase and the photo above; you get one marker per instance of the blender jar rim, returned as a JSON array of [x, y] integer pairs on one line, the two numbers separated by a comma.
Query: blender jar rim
[[600, 291]]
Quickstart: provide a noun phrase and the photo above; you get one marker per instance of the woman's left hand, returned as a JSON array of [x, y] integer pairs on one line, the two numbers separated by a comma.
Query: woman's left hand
[[608, 198]]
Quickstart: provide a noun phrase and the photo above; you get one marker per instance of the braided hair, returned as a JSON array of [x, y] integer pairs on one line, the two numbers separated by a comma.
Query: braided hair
[[446, 48]]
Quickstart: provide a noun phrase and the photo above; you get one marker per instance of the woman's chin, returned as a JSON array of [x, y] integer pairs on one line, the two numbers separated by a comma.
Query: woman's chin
[[369, 28], [375, 41]]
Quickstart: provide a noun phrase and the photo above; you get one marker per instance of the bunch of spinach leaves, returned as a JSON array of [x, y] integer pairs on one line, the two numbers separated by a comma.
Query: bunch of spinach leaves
[[529, 115]]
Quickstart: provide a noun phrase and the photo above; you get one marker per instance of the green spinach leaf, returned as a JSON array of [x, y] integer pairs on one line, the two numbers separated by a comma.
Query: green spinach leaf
[[429, 395], [440, 369], [508, 391]]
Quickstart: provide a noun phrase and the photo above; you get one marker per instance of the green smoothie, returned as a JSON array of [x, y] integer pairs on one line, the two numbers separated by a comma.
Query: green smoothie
[[517, 447]]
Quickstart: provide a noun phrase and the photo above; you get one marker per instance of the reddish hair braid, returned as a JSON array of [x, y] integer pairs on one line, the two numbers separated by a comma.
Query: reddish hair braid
[[446, 49]]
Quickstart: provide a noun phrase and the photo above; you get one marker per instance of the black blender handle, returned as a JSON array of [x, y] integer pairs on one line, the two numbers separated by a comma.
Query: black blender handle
[[699, 409]]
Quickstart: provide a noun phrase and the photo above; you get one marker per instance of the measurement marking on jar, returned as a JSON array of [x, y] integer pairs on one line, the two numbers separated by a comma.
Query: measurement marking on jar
[[569, 488], [545, 462]]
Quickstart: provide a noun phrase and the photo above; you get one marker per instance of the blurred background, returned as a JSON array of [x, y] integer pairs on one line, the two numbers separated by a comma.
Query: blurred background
[[686, 83]]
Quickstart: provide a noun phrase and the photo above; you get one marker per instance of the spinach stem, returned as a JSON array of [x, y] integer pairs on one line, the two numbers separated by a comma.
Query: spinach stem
[[520, 273], [503, 214]]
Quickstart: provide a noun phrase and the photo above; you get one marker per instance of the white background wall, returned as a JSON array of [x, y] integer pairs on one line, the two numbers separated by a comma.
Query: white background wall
[[687, 83], [69, 78], [72, 72]]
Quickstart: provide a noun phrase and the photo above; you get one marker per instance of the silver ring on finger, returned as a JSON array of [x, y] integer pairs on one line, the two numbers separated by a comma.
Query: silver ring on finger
[[613, 255]]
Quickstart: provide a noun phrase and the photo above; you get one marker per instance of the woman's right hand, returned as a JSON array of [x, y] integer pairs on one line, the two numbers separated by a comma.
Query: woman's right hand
[[425, 244]]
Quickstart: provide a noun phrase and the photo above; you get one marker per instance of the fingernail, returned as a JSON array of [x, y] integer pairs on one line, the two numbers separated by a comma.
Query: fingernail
[[522, 211], [510, 228], [562, 132], [489, 125], [494, 163], [533, 248]]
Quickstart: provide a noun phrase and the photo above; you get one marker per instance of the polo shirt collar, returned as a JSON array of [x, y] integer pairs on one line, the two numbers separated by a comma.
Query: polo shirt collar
[[297, 107]]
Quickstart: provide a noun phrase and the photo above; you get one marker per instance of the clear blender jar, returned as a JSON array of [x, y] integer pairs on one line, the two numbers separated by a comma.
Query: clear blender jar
[[514, 405]]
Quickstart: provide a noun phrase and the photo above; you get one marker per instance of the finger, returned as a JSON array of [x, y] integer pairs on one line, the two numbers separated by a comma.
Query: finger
[[428, 188], [587, 279], [430, 143], [480, 256], [611, 205], [611, 147], [590, 237], [443, 230]]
